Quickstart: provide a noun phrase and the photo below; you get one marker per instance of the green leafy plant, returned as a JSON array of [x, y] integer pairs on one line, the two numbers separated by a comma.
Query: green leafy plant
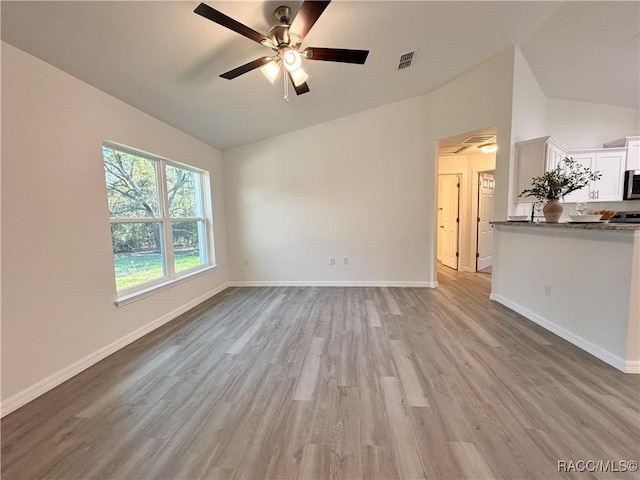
[[567, 177]]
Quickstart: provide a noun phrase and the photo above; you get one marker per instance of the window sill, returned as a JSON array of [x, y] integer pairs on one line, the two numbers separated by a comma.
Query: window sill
[[131, 297]]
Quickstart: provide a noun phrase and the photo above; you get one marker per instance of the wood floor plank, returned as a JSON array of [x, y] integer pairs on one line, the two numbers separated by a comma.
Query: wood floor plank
[[409, 380], [394, 308], [373, 317], [309, 382], [472, 463], [241, 342], [403, 441], [310, 370]]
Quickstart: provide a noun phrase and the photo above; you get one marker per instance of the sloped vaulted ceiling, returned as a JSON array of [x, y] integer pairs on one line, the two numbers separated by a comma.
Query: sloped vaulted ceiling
[[165, 60]]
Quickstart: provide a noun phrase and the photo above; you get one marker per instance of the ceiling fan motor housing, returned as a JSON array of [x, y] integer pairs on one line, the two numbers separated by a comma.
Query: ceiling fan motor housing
[[279, 34], [283, 15]]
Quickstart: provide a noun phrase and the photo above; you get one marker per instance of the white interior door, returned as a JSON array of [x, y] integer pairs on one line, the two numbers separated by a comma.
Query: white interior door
[[486, 188], [448, 221]]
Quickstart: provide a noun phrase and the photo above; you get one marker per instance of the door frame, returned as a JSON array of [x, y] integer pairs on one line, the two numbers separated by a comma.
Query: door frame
[[475, 208]]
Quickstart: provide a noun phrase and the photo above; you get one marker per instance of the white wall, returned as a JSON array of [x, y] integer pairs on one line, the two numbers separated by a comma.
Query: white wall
[[528, 121], [58, 283], [579, 125], [590, 273], [362, 186], [478, 99], [356, 187], [529, 102]]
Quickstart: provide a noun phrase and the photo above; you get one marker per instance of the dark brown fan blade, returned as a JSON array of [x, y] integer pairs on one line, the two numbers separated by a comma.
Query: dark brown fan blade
[[307, 16], [221, 19], [336, 55], [247, 67], [303, 88]]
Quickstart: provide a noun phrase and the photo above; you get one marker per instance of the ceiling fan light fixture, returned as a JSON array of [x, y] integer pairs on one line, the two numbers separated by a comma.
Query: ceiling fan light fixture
[[294, 39], [271, 70], [291, 59], [489, 148], [299, 76]]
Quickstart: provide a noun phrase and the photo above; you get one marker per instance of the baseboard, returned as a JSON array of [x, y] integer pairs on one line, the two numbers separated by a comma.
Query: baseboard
[[632, 366], [589, 347], [34, 391], [333, 283]]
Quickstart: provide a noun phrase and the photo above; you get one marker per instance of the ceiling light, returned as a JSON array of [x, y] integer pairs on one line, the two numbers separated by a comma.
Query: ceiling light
[[271, 70], [299, 76], [292, 60], [489, 148]]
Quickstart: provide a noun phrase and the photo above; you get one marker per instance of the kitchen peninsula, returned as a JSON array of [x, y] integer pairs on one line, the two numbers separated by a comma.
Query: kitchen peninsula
[[580, 281]]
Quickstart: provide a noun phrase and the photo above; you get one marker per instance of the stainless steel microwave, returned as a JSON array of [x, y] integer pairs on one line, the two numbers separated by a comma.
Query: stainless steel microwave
[[632, 185]]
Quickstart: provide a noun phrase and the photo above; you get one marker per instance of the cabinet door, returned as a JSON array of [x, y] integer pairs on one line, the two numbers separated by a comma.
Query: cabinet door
[[588, 160], [555, 155], [530, 162], [611, 165], [633, 155]]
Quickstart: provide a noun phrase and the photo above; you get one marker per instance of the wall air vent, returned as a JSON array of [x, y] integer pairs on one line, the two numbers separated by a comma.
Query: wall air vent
[[405, 60], [479, 139]]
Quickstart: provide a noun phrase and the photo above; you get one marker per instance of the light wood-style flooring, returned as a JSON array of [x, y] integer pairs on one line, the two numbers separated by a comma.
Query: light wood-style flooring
[[347, 383]]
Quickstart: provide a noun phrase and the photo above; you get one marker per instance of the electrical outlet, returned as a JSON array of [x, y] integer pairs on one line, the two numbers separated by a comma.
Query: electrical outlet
[[345, 260], [246, 261], [332, 260], [547, 290]]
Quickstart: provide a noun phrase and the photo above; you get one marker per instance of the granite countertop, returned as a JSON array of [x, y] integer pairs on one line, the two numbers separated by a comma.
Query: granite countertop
[[579, 226]]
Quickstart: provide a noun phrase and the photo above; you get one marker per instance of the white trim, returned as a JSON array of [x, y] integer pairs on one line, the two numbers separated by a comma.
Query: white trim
[[34, 391], [632, 366], [162, 284], [332, 283], [586, 345]]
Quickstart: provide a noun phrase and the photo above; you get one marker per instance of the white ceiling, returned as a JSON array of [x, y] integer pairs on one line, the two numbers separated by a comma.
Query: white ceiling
[[165, 60]]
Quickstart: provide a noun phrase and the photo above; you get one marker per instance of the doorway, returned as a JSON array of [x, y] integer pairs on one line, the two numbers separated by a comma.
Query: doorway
[[448, 219], [465, 200], [484, 232]]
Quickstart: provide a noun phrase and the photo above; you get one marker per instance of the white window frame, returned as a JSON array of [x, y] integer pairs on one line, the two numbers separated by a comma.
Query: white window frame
[[204, 222]]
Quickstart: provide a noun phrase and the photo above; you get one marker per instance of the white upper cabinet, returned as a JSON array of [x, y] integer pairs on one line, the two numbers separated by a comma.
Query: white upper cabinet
[[533, 158], [633, 154], [632, 144], [610, 162], [539, 155], [588, 160]]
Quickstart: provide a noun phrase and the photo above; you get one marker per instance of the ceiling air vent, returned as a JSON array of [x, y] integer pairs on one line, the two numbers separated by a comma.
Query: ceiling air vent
[[479, 139], [452, 150], [405, 60]]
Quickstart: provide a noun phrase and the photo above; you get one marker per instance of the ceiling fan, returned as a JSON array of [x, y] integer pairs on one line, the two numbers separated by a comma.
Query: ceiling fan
[[285, 38]]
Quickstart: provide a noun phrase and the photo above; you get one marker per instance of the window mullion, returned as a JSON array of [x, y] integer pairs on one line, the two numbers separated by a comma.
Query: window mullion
[[206, 250], [166, 221]]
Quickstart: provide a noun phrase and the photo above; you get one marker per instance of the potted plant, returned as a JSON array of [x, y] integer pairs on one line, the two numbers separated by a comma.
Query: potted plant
[[568, 176]]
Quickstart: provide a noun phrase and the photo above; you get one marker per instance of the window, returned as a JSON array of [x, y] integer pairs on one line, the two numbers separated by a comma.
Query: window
[[159, 218]]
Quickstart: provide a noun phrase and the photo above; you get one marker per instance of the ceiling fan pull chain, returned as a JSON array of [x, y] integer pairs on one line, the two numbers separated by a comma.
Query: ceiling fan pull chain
[[286, 86]]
